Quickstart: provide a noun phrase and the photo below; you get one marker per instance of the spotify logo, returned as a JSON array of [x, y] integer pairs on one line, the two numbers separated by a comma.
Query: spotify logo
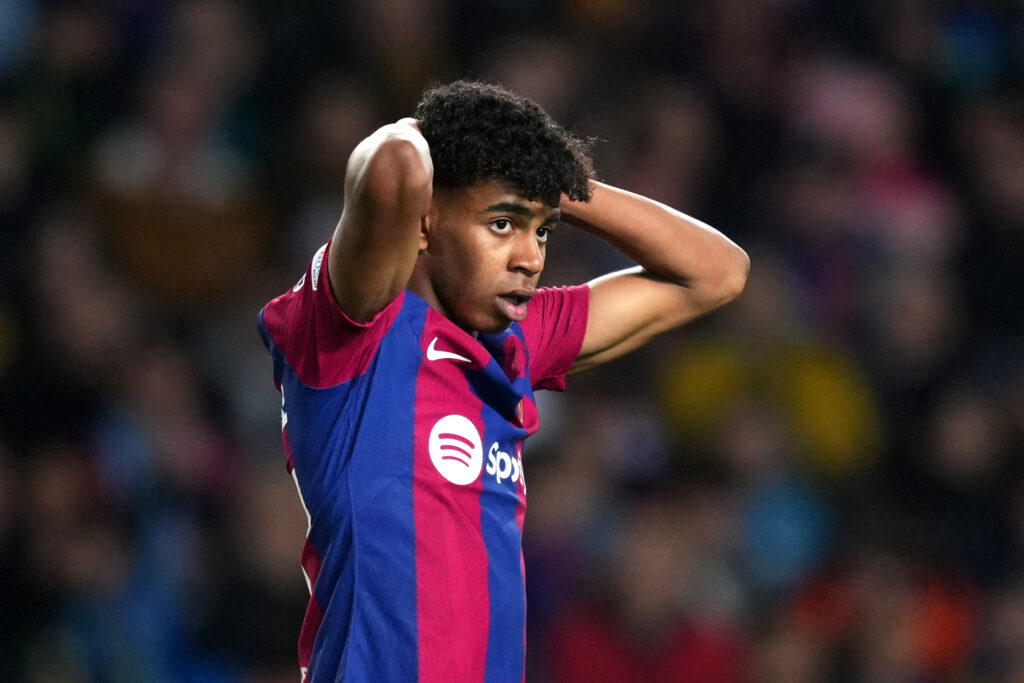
[[456, 450]]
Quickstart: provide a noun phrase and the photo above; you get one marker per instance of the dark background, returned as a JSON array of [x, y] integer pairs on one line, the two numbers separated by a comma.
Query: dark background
[[821, 482]]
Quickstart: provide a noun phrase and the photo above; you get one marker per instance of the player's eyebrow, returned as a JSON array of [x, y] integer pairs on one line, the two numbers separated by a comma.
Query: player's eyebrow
[[524, 211], [514, 208]]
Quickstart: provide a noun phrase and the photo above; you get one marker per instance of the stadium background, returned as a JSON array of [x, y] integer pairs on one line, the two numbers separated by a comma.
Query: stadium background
[[822, 482]]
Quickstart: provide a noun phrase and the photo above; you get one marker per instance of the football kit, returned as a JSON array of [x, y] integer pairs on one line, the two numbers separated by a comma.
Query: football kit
[[404, 437]]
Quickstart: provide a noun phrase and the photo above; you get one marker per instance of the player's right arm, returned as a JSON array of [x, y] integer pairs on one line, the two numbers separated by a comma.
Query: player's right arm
[[388, 186]]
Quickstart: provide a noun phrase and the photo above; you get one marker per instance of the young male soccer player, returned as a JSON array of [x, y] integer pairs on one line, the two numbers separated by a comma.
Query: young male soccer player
[[407, 356]]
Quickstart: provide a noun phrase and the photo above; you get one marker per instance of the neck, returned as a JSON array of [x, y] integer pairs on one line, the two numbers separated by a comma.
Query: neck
[[420, 285]]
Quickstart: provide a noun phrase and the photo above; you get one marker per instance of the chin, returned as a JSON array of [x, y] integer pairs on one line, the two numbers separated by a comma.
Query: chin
[[496, 328], [483, 323], [490, 326]]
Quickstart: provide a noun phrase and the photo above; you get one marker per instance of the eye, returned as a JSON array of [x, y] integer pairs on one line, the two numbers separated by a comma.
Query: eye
[[543, 233], [502, 226]]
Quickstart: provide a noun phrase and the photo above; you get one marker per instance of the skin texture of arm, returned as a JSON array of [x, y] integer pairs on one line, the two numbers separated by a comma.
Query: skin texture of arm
[[388, 187], [687, 268]]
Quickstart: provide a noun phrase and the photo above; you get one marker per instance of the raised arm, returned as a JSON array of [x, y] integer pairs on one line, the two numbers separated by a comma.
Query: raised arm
[[687, 268], [387, 192]]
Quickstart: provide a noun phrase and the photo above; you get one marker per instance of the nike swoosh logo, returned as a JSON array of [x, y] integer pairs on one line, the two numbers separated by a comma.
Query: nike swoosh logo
[[434, 354]]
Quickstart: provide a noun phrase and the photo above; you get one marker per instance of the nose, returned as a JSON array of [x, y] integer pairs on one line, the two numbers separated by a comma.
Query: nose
[[527, 254]]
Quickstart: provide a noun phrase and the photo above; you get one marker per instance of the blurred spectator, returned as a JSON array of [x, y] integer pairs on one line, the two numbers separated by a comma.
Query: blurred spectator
[[71, 86], [87, 317], [173, 183], [672, 146], [640, 627], [883, 615], [968, 499], [989, 135], [253, 601], [177, 195], [538, 66], [335, 114], [1000, 649], [404, 45], [785, 526], [823, 395]]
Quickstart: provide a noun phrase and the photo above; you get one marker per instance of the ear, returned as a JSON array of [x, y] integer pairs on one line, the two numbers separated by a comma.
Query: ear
[[427, 223], [424, 232]]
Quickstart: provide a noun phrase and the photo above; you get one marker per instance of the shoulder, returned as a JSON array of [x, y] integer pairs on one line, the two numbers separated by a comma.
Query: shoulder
[[554, 328], [311, 334], [551, 304]]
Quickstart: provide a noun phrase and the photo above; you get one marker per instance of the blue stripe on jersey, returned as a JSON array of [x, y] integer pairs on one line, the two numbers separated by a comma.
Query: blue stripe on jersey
[[372, 496], [522, 384], [505, 655], [275, 353], [330, 534], [382, 503]]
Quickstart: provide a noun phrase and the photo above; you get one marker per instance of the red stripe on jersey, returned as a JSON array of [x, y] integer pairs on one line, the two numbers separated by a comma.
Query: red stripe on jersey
[[289, 463], [310, 626], [452, 600], [311, 564], [521, 489], [322, 344], [529, 421]]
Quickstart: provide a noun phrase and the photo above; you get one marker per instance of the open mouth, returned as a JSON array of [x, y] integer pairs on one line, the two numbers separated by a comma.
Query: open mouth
[[513, 304], [516, 299]]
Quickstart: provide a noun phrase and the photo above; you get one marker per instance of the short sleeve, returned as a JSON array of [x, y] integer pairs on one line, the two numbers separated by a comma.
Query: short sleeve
[[305, 328], [555, 324]]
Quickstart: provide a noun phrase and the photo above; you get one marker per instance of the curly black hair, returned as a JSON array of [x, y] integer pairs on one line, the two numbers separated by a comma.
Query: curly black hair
[[479, 131]]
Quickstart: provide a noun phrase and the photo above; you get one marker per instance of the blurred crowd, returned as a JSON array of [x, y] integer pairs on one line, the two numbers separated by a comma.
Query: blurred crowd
[[821, 482]]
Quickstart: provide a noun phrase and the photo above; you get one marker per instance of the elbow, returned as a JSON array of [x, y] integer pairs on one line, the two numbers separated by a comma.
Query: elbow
[[399, 166], [729, 281], [736, 272], [392, 164]]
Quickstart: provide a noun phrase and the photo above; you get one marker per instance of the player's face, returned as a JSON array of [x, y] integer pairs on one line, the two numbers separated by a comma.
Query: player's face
[[485, 250]]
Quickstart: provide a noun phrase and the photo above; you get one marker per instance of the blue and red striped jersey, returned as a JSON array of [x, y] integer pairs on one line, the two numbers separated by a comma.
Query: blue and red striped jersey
[[404, 435]]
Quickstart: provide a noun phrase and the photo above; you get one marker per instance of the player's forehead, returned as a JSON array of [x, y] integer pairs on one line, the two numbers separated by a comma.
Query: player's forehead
[[496, 196]]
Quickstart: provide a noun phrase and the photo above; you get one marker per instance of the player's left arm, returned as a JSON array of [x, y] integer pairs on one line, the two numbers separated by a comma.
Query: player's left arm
[[687, 268]]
